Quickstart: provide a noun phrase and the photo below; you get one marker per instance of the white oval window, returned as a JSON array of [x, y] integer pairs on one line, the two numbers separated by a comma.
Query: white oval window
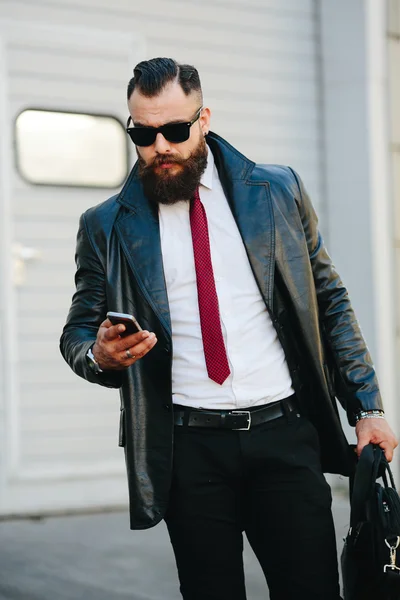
[[71, 149]]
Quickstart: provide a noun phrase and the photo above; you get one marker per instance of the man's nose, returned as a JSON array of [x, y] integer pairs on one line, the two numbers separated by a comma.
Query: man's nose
[[161, 145]]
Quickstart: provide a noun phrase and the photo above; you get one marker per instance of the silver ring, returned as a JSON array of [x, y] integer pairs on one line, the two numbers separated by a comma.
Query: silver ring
[[129, 355]]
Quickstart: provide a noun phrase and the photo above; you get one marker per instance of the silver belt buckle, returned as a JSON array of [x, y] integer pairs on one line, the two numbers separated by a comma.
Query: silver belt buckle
[[242, 412]]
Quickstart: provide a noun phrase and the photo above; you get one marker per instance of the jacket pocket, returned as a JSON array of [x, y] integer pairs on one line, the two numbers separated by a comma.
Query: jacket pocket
[[122, 435]]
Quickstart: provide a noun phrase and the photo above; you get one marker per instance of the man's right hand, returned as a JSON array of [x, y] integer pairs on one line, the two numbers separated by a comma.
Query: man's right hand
[[112, 352]]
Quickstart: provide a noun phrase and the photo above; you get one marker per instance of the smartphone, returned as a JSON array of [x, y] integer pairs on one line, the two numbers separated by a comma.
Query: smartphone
[[132, 326]]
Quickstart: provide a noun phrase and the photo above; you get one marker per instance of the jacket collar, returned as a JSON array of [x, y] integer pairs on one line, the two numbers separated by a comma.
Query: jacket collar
[[250, 202]]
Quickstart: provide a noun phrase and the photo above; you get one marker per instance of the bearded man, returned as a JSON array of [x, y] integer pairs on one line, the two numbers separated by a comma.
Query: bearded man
[[228, 414]]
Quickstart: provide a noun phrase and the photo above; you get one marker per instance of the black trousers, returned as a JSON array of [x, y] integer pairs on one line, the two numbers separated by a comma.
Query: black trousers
[[266, 482]]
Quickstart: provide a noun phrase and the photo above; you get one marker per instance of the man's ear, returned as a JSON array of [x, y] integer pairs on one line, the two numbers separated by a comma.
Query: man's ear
[[205, 120]]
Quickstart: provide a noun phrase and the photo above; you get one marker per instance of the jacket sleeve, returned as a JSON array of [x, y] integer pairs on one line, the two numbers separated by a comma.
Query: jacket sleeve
[[88, 310], [354, 378]]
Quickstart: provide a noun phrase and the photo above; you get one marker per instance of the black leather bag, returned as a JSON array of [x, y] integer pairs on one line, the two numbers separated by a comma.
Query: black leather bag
[[371, 554]]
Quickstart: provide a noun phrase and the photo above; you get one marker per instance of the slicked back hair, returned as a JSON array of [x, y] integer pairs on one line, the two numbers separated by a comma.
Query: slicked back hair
[[151, 76]]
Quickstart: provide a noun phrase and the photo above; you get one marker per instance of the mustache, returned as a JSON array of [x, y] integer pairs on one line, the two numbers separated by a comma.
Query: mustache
[[163, 159]]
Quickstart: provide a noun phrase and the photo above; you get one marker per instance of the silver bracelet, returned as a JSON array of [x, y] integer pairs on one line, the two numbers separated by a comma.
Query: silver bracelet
[[369, 414]]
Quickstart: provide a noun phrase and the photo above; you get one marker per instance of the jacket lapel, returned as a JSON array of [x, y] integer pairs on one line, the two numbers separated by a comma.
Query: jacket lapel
[[249, 196], [252, 209], [139, 234]]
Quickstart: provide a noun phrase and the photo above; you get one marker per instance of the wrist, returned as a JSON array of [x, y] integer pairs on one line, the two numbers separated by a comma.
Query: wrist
[[373, 413], [95, 350], [91, 359]]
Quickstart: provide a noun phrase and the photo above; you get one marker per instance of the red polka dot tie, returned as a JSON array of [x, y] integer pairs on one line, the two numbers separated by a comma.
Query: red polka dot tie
[[213, 341]]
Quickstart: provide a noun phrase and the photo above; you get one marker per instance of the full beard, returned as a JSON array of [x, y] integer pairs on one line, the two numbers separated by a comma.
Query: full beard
[[168, 188]]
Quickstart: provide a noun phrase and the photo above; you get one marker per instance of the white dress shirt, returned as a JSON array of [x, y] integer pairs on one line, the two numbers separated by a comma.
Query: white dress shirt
[[259, 372]]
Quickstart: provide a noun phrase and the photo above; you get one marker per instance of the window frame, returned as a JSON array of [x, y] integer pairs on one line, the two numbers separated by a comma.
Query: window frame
[[17, 162]]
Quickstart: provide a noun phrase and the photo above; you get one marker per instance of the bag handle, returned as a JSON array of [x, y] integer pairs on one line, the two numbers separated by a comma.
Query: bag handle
[[372, 464]]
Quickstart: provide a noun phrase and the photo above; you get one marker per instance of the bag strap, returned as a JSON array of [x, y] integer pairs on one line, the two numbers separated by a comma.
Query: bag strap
[[372, 464]]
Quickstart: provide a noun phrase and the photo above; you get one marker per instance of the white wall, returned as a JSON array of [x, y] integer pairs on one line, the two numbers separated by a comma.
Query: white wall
[[394, 146], [360, 202], [257, 60]]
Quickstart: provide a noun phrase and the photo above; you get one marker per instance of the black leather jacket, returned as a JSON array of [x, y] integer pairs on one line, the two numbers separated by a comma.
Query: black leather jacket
[[119, 268]]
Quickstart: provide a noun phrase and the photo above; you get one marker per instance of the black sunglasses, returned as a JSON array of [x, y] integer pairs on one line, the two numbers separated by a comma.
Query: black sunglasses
[[176, 133]]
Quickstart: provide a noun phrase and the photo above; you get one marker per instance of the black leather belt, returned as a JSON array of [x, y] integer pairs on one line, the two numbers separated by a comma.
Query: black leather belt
[[240, 420]]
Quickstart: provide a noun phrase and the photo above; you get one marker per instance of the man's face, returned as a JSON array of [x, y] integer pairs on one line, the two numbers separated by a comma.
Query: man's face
[[170, 171]]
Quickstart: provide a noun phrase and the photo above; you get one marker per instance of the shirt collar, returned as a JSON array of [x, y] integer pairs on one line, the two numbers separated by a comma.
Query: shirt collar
[[207, 177]]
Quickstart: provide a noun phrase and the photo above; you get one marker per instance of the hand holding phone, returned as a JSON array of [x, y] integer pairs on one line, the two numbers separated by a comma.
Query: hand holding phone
[[114, 349]]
